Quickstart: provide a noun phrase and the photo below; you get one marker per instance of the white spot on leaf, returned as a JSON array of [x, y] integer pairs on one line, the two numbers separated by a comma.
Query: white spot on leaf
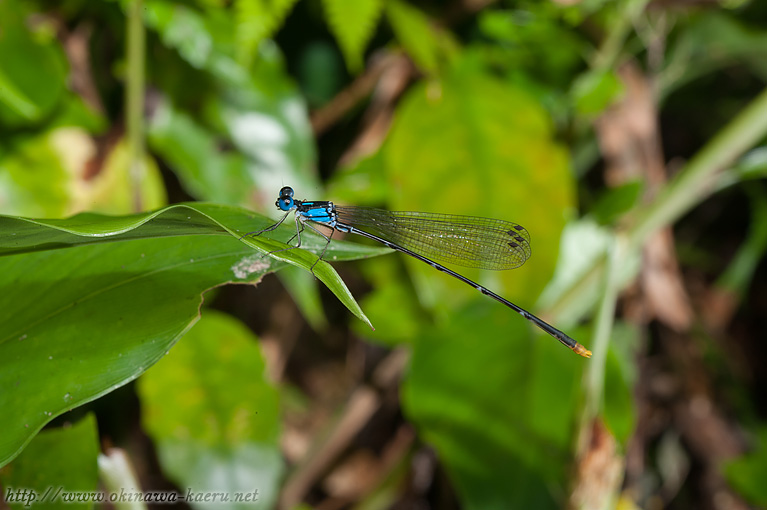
[[249, 265]]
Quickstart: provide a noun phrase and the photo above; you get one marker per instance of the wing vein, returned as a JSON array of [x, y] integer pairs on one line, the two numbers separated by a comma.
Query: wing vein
[[468, 241]]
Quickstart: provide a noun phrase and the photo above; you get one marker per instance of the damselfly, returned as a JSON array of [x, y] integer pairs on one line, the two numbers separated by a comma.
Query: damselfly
[[467, 241]]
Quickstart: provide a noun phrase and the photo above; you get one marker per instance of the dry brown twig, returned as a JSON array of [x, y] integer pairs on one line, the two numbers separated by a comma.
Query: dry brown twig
[[358, 411]]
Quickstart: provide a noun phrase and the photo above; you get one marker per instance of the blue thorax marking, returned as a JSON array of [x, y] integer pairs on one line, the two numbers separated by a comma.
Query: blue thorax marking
[[320, 212]]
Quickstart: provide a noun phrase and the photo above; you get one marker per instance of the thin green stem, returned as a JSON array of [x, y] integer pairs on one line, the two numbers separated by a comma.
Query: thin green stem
[[738, 275], [692, 185], [611, 47], [135, 98], [616, 255], [595, 372], [698, 179]]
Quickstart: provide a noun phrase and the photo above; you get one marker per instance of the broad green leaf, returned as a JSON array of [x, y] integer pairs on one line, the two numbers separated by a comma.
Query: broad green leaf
[[392, 305], [525, 38], [190, 34], [33, 178], [415, 33], [595, 90], [27, 92], [256, 21], [75, 112], [269, 124], [193, 153], [213, 415], [320, 72], [615, 202], [747, 473], [619, 410], [82, 321], [116, 189], [477, 392], [48, 176], [353, 23], [258, 108], [494, 395], [56, 467], [583, 242], [471, 144]]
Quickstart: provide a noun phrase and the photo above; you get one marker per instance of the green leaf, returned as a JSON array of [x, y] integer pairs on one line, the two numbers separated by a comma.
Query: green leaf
[[46, 176], [305, 293], [210, 410], [583, 242], [493, 395], [712, 41], [320, 72], [33, 178], [193, 153], [753, 165], [114, 189], [748, 473], [617, 201], [499, 416], [738, 277], [594, 91], [58, 464], [415, 32], [258, 20], [75, 112], [391, 305], [258, 107], [353, 23], [27, 92], [79, 322], [189, 33], [481, 147], [619, 411], [268, 123], [523, 42]]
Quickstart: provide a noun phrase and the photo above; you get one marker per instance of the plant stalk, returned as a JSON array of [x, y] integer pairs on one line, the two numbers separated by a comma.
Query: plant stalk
[[135, 99]]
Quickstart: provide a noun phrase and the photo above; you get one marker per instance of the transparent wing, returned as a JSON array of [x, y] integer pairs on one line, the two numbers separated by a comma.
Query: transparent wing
[[468, 241]]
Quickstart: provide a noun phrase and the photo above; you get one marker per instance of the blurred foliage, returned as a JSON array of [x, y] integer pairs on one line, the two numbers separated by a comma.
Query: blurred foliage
[[207, 429], [491, 421], [747, 472], [352, 24], [452, 107], [56, 462], [28, 95]]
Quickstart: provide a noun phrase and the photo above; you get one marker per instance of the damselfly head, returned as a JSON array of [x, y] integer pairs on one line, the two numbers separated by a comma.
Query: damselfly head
[[285, 202]]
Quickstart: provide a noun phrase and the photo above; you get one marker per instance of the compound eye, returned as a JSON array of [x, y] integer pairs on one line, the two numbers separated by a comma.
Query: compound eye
[[287, 191], [284, 203]]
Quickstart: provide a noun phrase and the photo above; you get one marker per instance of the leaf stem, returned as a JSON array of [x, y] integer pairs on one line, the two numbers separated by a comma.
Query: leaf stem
[[691, 186], [698, 179], [604, 323], [134, 97], [612, 45]]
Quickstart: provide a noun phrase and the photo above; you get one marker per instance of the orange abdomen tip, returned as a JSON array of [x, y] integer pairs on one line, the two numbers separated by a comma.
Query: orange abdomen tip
[[579, 349]]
